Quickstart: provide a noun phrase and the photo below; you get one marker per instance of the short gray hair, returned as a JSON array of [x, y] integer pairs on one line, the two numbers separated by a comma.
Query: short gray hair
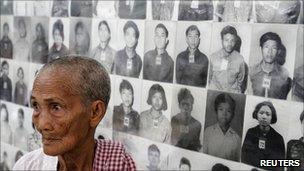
[[92, 79]]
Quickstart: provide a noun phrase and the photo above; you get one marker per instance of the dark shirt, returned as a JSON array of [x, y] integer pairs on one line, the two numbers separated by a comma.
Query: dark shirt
[[125, 122], [280, 83], [195, 12], [298, 84], [190, 72], [121, 64], [155, 71], [20, 94], [60, 8], [185, 132], [81, 8], [40, 51], [54, 54], [6, 47], [162, 10], [5, 88], [295, 151], [253, 151], [128, 11]]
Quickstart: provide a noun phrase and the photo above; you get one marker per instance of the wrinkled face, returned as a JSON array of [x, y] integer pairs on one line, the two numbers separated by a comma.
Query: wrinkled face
[[224, 114], [20, 120], [104, 33], [130, 37], [126, 97], [153, 157], [57, 37], [22, 30], [228, 42], [39, 33], [264, 116], [157, 101], [184, 167], [59, 113], [192, 39], [6, 30], [269, 51], [186, 106], [80, 36], [160, 38], [5, 69]]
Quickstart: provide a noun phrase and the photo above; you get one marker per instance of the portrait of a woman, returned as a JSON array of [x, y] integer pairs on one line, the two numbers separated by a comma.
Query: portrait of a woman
[[153, 124], [6, 131], [125, 118], [20, 94], [262, 141]]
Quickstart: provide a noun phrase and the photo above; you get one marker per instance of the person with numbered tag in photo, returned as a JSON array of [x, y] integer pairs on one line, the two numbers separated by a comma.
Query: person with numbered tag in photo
[[5, 82], [127, 61], [227, 66], [195, 10], [6, 44], [262, 142], [269, 77], [22, 47], [153, 124], [20, 93], [125, 118], [158, 64], [40, 48]]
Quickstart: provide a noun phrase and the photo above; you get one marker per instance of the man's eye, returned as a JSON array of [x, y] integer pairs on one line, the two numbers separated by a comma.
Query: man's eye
[[34, 105]]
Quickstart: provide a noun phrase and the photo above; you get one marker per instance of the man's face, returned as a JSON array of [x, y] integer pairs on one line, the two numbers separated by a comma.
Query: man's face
[[186, 106], [184, 167], [130, 37], [22, 30], [20, 120], [192, 39], [157, 101], [264, 116], [103, 32], [224, 114], [228, 42], [59, 113], [39, 33], [5, 30], [160, 38], [126, 97], [5, 70], [269, 51], [153, 157], [57, 37]]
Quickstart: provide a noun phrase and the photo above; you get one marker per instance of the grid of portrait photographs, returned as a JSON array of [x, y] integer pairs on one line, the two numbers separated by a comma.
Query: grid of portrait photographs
[[196, 85]]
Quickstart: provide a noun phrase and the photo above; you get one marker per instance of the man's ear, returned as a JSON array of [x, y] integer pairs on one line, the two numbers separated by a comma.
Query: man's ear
[[98, 110]]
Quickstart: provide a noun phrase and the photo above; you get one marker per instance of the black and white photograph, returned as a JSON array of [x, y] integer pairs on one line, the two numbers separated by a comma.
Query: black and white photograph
[[298, 76], [6, 7], [161, 10], [159, 51], [229, 57], [128, 59], [104, 9], [233, 11], [22, 36], [6, 39], [132, 9], [195, 10], [81, 8], [40, 40], [9, 156], [58, 38], [20, 82], [104, 41], [272, 60], [80, 36], [33, 71], [127, 105], [192, 53], [60, 8], [223, 125], [6, 84], [295, 143], [187, 117], [284, 12], [42, 8], [23, 8], [6, 129], [156, 112], [266, 125]]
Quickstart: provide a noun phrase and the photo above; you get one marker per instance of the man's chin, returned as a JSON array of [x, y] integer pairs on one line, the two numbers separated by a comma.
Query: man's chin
[[51, 151]]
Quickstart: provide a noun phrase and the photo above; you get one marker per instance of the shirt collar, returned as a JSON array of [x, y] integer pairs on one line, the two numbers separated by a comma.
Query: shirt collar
[[260, 69], [228, 133]]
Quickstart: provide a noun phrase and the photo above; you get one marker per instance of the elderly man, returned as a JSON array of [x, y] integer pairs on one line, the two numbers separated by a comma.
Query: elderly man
[[69, 98]]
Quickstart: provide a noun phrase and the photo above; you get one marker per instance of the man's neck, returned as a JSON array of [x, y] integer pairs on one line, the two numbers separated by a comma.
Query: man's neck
[[267, 67], [103, 45], [130, 52], [81, 158], [226, 54], [192, 50], [224, 128], [160, 51]]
